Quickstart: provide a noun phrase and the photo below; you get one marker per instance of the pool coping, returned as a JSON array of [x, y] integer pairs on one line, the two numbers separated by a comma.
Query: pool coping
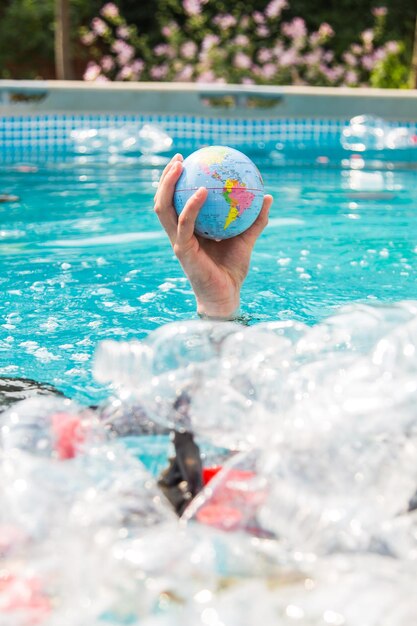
[[27, 97]]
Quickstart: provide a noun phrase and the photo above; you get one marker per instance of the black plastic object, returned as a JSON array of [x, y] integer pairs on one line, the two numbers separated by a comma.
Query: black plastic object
[[183, 478]]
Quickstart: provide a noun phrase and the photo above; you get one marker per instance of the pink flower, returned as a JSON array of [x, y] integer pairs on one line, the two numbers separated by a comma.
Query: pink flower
[[258, 17], [368, 62], [262, 31], [379, 11], [92, 71], [380, 54], [351, 78], [274, 8], [189, 50], [161, 49], [247, 81], [138, 66], [225, 21], [109, 11], [392, 47], [325, 31], [88, 38], [124, 51], [296, 29], [193, 7], [314, 39], [185, 74], [367, 37], [268, 70], [98, 26], [356, 49], [123, 32], [242, 61], [126, 73], [278, 49], [101, 79], [210, 41], [107, 63], [264, 55], [313, 57], [159, 72], [206, 77], [350, 59], [168, 30], [288, 57], [241, 40], [333, 74]]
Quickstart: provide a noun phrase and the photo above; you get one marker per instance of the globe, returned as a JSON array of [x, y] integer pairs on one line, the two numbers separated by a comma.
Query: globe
[[235, 191]]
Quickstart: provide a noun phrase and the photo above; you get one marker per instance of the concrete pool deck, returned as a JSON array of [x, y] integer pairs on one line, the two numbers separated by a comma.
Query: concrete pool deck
[[244, 102]]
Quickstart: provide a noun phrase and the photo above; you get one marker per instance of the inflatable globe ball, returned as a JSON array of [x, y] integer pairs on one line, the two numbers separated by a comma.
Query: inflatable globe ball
[[235, 191]]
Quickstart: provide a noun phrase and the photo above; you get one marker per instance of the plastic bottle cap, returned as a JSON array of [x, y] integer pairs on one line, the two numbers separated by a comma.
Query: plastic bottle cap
[[210, 472]]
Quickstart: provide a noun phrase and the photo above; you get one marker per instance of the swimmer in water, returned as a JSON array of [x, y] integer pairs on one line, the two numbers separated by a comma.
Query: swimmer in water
[[215, 269]]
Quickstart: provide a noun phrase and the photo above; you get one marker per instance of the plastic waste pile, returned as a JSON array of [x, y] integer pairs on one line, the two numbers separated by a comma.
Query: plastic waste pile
[[307, 516], [144, 139], [368, 132]]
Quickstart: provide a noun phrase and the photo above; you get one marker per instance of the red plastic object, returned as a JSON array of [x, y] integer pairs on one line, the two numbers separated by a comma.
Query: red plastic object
[[24, 594], [210, 472], [69, 434], [220, 516]]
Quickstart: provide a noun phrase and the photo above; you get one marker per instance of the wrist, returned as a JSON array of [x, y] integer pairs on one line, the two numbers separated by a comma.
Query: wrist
[[218, 311]]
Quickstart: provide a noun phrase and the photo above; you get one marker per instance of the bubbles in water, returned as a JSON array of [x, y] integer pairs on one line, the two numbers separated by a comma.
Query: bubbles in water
[[146, 139]]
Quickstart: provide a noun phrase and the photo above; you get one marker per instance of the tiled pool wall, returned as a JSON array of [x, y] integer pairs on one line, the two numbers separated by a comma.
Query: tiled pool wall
[[33, 136], [37, 117]]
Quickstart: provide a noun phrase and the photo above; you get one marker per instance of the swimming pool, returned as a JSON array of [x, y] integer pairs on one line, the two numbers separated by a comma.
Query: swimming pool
[[316, 421], [83, 257]]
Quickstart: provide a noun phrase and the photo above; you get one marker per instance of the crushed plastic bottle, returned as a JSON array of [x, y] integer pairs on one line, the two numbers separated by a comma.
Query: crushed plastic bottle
[[368, 132], [308, 463], [144, 139]]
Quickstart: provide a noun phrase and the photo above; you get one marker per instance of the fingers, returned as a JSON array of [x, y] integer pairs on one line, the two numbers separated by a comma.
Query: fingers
[[253, 232], [177, 157], [164, 197], [187, 218]]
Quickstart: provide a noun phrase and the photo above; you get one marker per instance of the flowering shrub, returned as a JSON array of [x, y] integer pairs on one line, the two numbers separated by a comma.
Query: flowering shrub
[[114, 47], [261, 47]]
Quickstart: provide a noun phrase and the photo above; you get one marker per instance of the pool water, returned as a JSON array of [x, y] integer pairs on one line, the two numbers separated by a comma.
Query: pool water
[[83, 257]]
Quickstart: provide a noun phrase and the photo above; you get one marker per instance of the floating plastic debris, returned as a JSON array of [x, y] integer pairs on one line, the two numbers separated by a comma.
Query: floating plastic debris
[[303, 468], [8, 197], [145, 139], [367, 132]]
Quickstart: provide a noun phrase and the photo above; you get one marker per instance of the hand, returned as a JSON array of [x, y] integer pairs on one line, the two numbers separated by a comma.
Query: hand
[[215, 269]]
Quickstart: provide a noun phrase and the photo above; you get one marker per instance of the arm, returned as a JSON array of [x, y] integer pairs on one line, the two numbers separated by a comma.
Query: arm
[[216, 270]]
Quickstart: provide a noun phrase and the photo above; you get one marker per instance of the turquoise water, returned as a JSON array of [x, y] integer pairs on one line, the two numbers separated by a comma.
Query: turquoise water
[[83, 257]]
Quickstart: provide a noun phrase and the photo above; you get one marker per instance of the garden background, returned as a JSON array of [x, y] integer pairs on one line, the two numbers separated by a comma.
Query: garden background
[[339, 42]]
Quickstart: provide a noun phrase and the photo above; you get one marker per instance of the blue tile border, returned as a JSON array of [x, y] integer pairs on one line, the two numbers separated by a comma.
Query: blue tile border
[[34, 135]]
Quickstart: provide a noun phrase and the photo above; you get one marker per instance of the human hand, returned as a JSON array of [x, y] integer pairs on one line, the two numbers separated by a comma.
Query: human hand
[[215, 269]]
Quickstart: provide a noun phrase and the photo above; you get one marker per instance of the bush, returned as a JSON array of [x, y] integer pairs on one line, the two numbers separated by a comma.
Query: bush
[[262, 47]]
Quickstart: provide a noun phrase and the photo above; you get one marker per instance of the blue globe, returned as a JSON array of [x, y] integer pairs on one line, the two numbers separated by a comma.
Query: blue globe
[[235, 191]]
